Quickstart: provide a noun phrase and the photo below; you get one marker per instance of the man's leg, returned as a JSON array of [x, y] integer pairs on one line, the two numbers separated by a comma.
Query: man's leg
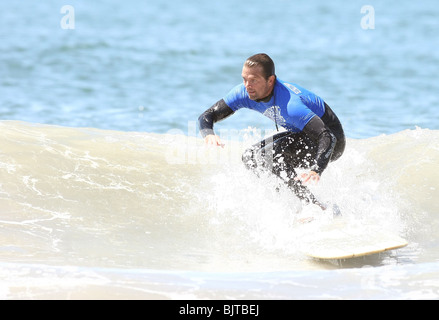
[[259, 157], [281, 154]]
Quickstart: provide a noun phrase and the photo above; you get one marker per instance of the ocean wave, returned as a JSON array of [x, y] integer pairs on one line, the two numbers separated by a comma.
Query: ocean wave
[[85, 196]]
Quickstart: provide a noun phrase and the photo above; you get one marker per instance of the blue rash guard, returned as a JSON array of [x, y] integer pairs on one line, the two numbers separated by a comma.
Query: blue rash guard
[[290, 106]]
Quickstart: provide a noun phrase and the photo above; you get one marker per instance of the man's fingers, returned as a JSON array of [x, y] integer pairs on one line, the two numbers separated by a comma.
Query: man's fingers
[[213, 140], [308, 177]]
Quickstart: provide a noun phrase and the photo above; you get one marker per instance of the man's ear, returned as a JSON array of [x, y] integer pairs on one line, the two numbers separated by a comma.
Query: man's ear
[[271, 79]]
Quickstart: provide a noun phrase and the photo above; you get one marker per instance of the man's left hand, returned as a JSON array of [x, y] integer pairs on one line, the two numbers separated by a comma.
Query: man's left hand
[[309, 177]]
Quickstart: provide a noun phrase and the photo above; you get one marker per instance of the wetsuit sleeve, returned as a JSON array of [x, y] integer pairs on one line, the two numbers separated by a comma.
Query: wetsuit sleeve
[[217, 112], [325, 139]]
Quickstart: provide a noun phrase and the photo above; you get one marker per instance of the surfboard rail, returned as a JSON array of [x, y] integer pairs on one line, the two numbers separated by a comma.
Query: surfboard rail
[[345, 243]]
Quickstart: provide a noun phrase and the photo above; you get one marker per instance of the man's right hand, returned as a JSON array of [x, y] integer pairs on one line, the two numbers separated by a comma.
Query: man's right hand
[[213, 140]]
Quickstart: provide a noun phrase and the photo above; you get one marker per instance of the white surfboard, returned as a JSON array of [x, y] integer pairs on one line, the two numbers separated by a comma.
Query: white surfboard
[[338, 241]]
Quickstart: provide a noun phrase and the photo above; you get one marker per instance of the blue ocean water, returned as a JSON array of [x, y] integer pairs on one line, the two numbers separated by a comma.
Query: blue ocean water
[[156, 65]]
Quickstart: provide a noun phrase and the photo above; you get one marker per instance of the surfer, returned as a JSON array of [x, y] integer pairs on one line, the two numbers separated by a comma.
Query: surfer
[[312, 136]]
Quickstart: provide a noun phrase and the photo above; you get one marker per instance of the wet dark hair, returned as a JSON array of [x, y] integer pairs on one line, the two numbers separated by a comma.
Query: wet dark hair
[[263, 60]]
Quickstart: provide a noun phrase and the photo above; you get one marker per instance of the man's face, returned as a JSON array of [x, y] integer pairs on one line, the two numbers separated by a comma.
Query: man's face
[[255, 83]]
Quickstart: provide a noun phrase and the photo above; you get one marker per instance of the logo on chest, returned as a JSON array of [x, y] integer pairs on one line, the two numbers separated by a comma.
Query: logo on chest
[[274, 114]]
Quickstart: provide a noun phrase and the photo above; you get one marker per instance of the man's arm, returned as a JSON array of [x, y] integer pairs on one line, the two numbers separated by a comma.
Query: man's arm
[[326, 141], [219, 111]]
